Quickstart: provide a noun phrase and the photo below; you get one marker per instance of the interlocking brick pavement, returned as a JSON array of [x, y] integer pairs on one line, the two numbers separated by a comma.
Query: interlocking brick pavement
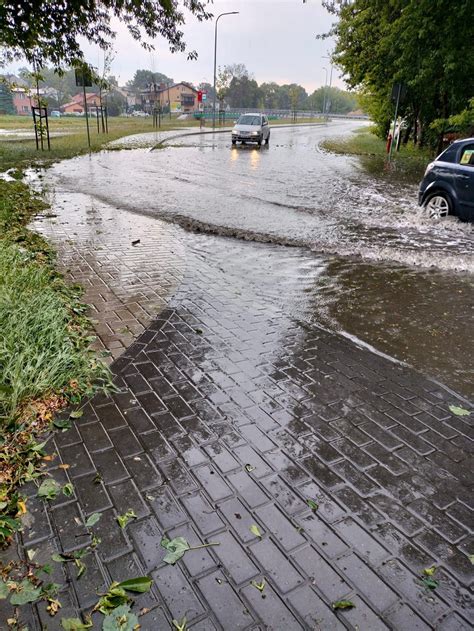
[[232, 410]]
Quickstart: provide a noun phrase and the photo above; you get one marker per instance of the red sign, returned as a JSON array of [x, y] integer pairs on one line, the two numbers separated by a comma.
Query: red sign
[[199, 96]]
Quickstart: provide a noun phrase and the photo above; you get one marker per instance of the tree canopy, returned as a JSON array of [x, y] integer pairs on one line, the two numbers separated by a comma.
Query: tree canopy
[[425, 44], [142, 78], [50, 30]]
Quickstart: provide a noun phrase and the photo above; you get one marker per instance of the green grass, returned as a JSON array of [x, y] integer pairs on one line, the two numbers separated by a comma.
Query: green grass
[[409, 163], [45, 356], [22, 153]]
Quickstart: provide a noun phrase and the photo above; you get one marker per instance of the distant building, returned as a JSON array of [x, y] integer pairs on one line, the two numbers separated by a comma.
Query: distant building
[[179, 97], [24, 98], [76, 106], [130, 96]]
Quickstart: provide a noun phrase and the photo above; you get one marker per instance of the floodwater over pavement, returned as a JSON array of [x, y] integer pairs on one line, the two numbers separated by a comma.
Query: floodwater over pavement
[[370, 263]]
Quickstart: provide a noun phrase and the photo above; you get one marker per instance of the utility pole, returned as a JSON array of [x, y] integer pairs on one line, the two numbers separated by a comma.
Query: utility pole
[[215, 61], [324, 91]]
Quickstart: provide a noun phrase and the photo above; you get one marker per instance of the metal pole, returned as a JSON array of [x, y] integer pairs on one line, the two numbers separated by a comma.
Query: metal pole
[[324, 92], [169, 102], [328, 103], [85, 109], [395, 121], [215, 61]]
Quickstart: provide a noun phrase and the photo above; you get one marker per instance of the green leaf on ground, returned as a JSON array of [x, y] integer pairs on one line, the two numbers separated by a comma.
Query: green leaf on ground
[[62, 423], [259, 586], [68, 489], [471, 558], [180, 625], [74, 624], [312, 504], [121, 619], [4, 591], [249, 468], [124, 519], [49, 489], [27, 593], [255, 530], [430, 583], [92, 520], [458, 411], [429, 571], [31, 553], [115, 597], [176, 548], [76, 414], [141, 584], [81, 568], [60, 558], [343, 604]]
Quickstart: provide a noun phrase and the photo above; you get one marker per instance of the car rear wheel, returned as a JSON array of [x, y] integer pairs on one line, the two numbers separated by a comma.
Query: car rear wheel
[[438, 205], [234, 141], [268, 139]]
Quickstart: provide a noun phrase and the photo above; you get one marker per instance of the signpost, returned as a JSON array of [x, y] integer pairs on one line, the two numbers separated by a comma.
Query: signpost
[[84, 79], [398, 96]]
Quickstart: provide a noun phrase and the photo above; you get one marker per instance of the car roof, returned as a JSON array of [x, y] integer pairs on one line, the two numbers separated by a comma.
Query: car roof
[[468, 140], [252, 114]]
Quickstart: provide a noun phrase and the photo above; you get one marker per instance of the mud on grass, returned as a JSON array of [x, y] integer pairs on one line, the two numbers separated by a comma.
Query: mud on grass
[[45, 356]]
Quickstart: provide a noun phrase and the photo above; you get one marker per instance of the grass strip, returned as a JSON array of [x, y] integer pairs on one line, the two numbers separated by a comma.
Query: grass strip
[[45, 357]]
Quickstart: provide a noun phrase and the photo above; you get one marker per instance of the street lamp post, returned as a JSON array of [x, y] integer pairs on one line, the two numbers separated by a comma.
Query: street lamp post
[[324, 93], [215, 59], [328, 101]]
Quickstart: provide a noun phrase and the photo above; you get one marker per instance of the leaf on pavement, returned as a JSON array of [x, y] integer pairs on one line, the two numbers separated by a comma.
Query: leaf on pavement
[[343, 604], [249, 468], [68, 489], [180, 625], [121, 619], [471, 558], [92, 520], [4, 590], [458, 411], [141, 584], [62, 423], [176, 548], [430, 583], [124, 519], [27, 593], [255, 530], [259, 586], [76, 414], [312, 504], [49, 489], [74, 624], [81, 568], [429, 571]]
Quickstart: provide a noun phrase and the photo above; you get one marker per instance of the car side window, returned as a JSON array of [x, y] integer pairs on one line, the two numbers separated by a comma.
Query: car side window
[[467, 155], [449, 155]]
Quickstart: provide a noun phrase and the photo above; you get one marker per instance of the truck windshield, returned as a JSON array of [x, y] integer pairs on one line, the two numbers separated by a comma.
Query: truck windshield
[[248, 119]]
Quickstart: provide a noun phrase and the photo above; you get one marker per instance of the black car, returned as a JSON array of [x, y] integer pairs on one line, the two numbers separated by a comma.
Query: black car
[[448, 185]]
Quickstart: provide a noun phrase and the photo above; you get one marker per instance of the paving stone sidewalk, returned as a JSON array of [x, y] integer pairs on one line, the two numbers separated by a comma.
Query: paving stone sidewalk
[[232, 411]]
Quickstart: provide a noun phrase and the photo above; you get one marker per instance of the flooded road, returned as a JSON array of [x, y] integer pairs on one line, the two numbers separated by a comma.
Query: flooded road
[[370, 264]]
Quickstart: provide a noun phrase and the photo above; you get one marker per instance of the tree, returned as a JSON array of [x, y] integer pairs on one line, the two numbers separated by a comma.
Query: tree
[[223, 79], [51, 31], [425, 45], [142, 78], [6, 98], [244, 92], [341, 101]]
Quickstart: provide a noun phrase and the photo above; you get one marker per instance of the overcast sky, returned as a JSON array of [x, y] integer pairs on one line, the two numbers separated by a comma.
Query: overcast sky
[[275, 39]]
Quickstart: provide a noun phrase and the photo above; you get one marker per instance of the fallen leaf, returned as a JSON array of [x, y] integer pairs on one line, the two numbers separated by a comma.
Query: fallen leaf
[[176, 548], [74, 624], [92, 520], [430, 583], [429, 571], [121, 619], [255, 530], [141, 584], [81, 568], [471, 558], [124, 519], [249, 468], [68, 489], [76, 414], [63, 466], [4, 590], [343, 604], [180, 625], [21, 506], [63, 423], [135, 241], [49, 489], [259, 586], [458, 411], [312, 504], [26, 593], [31, 553]]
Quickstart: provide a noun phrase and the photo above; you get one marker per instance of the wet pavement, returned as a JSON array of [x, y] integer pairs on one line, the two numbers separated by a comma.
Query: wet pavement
[[235, 407]]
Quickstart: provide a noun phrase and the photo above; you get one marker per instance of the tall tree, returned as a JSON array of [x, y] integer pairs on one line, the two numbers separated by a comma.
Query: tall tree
[[6, 99], [142, 78], [425, 44], [49, 30]]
